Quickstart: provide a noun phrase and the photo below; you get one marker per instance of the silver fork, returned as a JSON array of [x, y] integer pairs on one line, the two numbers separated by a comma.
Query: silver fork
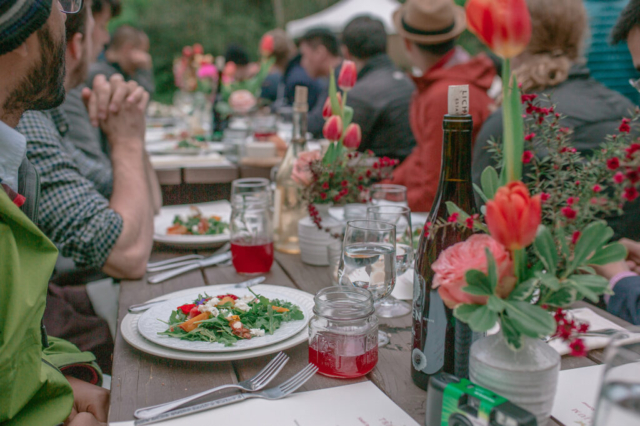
[[253, 384], [278, 392]]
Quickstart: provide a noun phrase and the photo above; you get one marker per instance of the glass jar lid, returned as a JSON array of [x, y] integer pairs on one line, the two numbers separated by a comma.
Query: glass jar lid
[[344, 303]]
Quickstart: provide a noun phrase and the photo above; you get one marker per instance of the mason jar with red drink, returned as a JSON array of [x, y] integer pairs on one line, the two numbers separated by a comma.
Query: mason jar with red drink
[[251, 233]]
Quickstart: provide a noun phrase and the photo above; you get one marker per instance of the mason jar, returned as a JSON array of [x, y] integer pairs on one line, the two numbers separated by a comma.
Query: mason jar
[[343, 334], [251, 231]]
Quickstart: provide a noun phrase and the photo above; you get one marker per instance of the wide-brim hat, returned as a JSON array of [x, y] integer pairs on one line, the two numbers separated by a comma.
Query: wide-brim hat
[[430, 21]]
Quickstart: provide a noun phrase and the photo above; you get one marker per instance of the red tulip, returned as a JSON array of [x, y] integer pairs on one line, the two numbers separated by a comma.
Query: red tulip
[[353, 137], [327, 111], [513, 216], [187, 51], [267, 45], [333, 128], [198, 49], [503, 25], [348, 76]]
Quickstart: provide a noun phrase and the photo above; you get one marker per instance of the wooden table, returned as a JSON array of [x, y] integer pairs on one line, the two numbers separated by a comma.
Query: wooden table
[[141, 380]]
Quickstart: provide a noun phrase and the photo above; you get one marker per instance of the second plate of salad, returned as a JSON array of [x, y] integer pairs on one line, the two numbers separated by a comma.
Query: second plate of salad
[[193, 226]]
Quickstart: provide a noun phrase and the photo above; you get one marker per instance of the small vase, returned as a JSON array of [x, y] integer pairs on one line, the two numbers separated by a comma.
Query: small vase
[[528, 377], [313, 241]]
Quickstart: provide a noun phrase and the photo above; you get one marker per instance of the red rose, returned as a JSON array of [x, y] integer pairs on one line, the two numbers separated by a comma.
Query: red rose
[[624, 126], [527, 156], [618, 177], [569, 213]]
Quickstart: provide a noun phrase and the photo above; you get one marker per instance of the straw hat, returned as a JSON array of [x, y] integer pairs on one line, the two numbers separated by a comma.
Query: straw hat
[[429, 21]]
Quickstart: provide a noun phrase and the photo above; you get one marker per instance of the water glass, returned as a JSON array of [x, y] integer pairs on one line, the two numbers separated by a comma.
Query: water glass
[[383, 193], [251, 187], [389, 307], [355, 211], [251, 234], [334, 253], [619, 402]]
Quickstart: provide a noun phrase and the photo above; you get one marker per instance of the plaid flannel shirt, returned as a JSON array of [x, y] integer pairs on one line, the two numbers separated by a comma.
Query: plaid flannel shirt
[[73, 212]]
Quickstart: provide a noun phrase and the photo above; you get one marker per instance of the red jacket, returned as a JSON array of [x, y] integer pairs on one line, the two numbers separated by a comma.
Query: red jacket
[[420, 172]]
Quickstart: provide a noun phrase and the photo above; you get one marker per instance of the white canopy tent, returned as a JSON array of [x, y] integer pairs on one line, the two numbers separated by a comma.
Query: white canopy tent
[[340, 14]]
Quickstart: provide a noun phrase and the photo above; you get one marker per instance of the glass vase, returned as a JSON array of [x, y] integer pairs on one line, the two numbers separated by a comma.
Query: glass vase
[[528, 377]]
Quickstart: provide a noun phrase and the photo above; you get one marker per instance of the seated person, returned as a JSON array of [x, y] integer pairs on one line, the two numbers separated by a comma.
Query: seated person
[[443, 64], [283, 49], [238, 55], [42, 381], [319, 54], [625, 283], [551, 64], [382, 93], [127, 54]]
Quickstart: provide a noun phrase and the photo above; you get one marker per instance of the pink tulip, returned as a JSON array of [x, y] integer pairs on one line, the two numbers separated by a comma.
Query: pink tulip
[[348, 76], [267, 45], [208, 71], [327, 111], [353, 137], [333, 128]]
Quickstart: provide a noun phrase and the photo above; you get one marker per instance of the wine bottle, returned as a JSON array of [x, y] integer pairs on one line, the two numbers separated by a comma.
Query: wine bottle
[[434, 327], [289, 207]]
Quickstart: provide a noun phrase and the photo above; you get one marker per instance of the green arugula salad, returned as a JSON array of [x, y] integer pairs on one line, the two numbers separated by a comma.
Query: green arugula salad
[[228, 318]]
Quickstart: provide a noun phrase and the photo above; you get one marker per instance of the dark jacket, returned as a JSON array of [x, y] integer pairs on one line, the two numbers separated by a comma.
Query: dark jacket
[[294, 76], [380, 100], [315, 120], [625, 303], [593, 112]]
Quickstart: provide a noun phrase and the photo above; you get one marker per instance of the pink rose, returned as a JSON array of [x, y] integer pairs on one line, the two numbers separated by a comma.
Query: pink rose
[[454, 262], [301, 173]]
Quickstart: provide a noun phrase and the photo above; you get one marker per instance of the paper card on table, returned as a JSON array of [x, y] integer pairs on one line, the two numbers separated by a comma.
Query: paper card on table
[[361, 404], [577, 395], [403, 289], [596, 322]]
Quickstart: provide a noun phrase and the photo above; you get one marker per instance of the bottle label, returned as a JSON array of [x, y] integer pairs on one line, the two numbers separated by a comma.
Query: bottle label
[[433, 318], [459, 100]]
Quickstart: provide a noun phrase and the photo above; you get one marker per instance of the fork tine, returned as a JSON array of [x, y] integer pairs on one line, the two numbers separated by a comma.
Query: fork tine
[[293, 380], [273, 373], [301, 379], [274, 363]]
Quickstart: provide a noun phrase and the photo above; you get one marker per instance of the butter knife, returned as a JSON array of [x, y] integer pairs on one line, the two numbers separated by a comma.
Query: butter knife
[[210, 261]]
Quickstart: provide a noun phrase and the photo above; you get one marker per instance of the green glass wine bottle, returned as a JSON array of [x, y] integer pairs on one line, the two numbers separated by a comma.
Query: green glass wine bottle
[[434, 328]]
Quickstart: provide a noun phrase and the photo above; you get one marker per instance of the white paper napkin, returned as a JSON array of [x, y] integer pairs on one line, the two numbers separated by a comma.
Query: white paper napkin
[[596, 322], [577, 395], [186, 161], [404, 286]]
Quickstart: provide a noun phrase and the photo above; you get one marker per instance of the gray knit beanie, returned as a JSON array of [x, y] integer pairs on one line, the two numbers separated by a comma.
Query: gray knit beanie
[[19, 19]]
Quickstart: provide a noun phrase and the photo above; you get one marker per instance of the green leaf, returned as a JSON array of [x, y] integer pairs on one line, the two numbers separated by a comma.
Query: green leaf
[[336, 108], [510, 332], [548, 280], [348, 118], [594, 236], [609, 254], [564, 247], [478, 283], [490, 183], [480, 193], [492, 270], [546, 249], [523, 290], [562, 298], [590, 286], [453, 208], [496, 304], [479, 317], [530, 320]]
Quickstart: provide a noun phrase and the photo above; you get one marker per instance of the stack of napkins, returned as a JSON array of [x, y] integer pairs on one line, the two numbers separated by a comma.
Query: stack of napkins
[[353, 405]]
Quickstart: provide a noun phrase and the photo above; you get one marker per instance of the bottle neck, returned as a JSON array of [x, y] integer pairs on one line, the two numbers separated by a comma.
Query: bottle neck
[[299, 131], [455, 174]]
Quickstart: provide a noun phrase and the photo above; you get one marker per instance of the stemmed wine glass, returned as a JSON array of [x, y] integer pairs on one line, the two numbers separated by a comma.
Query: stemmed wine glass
[[369, 259], [388, 194], [390, 307]]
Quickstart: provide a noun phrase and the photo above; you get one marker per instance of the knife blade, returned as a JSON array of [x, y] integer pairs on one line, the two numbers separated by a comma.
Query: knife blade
[[210, 261]]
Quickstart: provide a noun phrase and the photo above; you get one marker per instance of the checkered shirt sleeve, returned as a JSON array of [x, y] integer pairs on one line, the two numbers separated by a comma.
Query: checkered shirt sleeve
[[72, 214]]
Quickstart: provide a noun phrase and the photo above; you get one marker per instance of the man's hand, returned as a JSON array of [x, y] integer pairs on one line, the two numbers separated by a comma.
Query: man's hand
[[610, 270], [90, 403], [126, 117], [633, 258]]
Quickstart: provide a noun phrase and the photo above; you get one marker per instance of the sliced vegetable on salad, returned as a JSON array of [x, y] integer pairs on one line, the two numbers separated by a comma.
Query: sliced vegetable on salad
[[228, 318], [197, 224]]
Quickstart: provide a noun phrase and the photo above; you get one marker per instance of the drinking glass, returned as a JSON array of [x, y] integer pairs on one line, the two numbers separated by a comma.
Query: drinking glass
[[251, 234], [334, 253], [251, 187], [383, 193], [619, 401], [390, 307], [369, 259]]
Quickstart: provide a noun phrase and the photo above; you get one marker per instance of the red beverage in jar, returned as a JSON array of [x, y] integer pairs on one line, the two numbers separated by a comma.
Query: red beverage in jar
[[256, 258], [343, 356], [264, 135]]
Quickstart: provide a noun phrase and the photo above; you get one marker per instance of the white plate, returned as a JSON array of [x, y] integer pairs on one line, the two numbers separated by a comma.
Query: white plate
[[151, 323], [130, 333], [169, 148], [165, 217]]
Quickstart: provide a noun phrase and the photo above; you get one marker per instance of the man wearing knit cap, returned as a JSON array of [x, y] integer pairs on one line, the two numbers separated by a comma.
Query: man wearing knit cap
[[42, 381]]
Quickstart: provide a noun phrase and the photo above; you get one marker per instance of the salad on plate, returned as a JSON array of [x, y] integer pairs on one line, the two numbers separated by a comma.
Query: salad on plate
[[196, 223], [228, 318]]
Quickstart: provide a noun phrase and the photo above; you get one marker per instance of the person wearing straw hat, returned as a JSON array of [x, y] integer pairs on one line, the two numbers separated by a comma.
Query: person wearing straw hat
[[430, 29]]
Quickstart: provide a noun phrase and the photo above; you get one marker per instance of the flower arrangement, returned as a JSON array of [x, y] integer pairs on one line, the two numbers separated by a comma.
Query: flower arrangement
[[195, 71], [342, 175], [533, 254]]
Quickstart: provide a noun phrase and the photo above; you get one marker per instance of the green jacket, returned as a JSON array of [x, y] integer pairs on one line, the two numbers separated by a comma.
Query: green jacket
[[33, 389]]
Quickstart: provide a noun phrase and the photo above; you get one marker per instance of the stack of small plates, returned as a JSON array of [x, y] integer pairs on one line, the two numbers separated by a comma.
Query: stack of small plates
[[141, 330], [314, 242]]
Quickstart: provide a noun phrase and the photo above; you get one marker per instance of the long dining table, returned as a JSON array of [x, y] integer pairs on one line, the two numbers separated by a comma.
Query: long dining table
[[141, 380]]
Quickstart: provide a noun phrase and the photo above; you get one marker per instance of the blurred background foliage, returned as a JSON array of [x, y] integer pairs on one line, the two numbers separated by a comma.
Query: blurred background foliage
[[172, 24]]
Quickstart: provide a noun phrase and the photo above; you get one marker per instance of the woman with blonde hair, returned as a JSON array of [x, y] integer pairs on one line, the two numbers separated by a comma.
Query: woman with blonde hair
[[553, 65]]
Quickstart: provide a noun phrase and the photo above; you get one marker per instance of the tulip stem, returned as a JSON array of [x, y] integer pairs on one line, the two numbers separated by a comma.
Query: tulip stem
[[520, 264]]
